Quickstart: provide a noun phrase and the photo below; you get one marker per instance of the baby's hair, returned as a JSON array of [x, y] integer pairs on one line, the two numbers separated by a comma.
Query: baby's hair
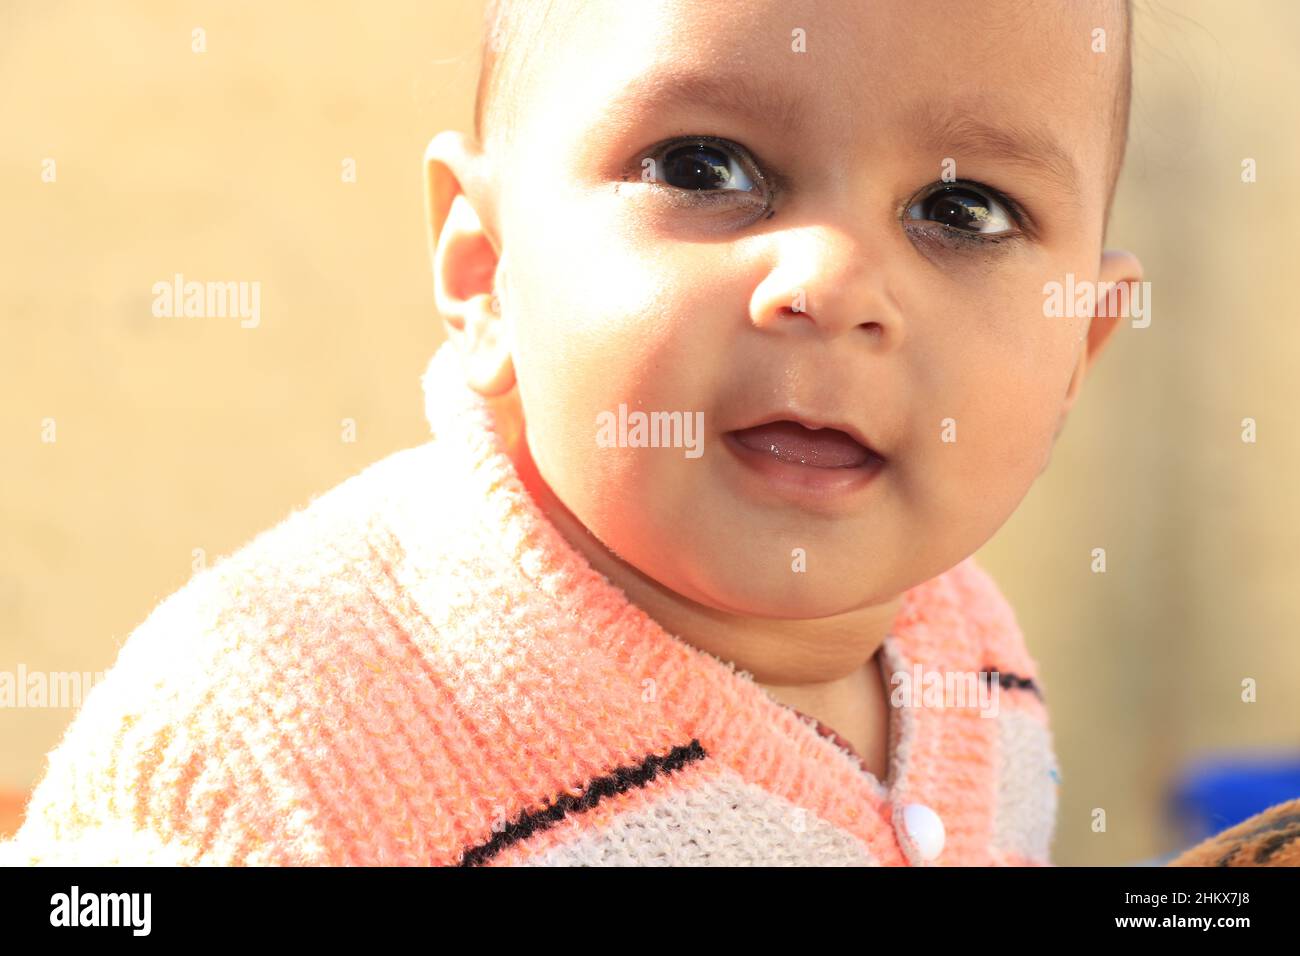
[[512, 30], [1120, 114]]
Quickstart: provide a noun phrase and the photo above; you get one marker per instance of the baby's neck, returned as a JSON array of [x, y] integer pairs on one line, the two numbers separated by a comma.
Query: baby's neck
[[826, 667], [856, 707]]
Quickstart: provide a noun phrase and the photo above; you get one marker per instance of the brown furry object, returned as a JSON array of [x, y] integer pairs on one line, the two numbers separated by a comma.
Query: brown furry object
[[1269, 838]]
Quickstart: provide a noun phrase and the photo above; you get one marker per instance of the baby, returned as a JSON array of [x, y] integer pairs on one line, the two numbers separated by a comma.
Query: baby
[[747, 355]]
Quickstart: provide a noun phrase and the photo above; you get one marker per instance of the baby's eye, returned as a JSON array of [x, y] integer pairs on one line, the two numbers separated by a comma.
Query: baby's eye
[[966, 207], [701, 164]]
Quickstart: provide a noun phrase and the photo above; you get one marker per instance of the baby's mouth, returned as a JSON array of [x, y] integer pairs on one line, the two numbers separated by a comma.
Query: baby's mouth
[[816, 447]]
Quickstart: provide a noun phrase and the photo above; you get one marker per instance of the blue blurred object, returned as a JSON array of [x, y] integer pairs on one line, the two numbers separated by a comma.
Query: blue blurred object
[[1156, 860], [1216, 792]]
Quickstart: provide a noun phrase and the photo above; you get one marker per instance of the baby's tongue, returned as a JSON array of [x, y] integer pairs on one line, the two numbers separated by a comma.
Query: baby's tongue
[[790, 441]]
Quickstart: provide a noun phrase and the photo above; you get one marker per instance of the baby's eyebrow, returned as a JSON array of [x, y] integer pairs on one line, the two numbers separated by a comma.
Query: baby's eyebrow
[[666, 90], [948, 131], [943, 130]]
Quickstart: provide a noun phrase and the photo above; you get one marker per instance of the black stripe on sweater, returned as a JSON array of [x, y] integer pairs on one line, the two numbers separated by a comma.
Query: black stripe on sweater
[[608, 785], [1009, 681]]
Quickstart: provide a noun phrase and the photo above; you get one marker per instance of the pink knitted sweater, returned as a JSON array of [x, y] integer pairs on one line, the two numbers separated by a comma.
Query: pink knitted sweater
[[417, 668]]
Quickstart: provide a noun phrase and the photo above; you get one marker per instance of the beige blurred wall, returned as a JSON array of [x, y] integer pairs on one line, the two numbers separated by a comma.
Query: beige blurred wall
[[175, 435]]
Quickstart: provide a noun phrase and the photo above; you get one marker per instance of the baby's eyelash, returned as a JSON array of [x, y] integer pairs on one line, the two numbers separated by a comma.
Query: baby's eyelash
[[960, 240]]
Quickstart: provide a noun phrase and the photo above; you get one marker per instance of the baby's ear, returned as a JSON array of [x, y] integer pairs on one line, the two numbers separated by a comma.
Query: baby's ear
[[465, 256], [1118, 268]]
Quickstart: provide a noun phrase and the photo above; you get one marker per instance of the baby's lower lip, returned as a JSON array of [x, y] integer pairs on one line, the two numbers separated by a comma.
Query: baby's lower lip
[[766, 474]]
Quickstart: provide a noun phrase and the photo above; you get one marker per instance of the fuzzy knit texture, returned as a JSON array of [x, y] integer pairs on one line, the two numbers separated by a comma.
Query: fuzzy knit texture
[[418, 669]]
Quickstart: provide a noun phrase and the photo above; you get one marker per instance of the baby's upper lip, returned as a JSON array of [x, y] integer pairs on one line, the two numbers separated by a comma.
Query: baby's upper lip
[[814, 421]]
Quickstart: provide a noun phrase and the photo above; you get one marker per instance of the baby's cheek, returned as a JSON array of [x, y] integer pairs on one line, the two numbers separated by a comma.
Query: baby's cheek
[[989, 452], [632, 501]]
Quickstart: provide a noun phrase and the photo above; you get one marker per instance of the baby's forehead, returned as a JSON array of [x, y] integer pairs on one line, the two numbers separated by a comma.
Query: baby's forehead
[[1037, 83], [845, 69]]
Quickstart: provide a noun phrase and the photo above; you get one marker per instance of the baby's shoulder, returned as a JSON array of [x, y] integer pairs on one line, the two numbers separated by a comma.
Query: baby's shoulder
[[314, 578], [232, 709]]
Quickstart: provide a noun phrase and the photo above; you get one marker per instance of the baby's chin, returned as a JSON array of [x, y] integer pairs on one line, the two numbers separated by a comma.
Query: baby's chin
[[736, 558], [800, 607], [783, 588]]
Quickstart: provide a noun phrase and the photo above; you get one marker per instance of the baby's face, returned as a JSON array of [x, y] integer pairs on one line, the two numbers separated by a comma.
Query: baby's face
[[785, 256]]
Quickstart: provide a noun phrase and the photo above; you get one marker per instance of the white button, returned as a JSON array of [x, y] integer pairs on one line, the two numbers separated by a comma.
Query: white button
[[924, 828]]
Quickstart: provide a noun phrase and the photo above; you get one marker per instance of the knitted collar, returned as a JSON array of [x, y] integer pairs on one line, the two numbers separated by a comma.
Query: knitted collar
[[542, 613]]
